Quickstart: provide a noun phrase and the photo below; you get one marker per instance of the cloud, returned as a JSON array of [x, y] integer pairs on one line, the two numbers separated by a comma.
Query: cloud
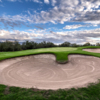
[[88, 16], [0, 0], [94, 23], [17, 35], [63, 11], [12, 0], [46, 1], [13, 21], [70, 10], [74, 26], [37, 1], [15, 0], [54, 2], [79, 37], [54, 15]]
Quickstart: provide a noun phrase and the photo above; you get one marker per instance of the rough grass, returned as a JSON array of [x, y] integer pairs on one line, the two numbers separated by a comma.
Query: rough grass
[[92, 92]]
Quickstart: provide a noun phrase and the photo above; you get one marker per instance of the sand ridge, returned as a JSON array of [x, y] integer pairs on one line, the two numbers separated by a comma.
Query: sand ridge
[[43, 72]]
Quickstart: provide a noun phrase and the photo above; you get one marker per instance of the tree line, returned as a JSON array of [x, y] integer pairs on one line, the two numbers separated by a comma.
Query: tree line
[[16, 46]]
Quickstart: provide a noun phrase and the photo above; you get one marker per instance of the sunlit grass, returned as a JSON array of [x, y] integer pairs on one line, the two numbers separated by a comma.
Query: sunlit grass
[[55, 50]]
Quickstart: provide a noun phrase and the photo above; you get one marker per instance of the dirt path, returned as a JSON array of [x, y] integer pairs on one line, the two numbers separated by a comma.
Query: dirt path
[[92, 50], [41, 71]]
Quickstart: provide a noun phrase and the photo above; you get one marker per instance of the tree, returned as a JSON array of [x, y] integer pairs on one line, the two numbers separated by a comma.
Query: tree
[[7, 46], [17, 46], [97, 44], [65, 44], [74, 45], [87, 44], [28, 45]]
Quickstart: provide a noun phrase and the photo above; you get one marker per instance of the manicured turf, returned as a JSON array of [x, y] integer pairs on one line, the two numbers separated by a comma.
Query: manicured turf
[[92, 92], [57, 51]]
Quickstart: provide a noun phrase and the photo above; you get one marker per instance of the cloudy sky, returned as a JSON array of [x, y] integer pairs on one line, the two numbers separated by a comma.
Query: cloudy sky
[[57, 21]]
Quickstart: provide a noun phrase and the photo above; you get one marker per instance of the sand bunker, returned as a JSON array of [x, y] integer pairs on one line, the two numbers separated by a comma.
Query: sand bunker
[[42, 71], [92, 50]]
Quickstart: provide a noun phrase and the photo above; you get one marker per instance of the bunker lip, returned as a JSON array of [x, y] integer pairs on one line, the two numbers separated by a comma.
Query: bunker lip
[[62, 62], [43, 72], [95, 50]]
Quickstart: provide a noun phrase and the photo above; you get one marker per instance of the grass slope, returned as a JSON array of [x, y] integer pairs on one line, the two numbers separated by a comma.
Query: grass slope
[[92, 92]]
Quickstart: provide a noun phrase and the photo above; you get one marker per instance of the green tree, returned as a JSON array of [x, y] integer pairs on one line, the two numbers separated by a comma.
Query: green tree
[[65, 44], [97, 44], [87, 44]]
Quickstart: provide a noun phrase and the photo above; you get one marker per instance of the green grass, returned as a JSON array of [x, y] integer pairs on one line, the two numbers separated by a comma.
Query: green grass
[[57, 51], [92, 92]]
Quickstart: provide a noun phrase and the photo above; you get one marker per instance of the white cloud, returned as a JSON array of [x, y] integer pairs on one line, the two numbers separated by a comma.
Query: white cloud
[[14, 0], [15, 35], [46, 1], [37, 1], [14, 21], [69, 10], [18, 35], [65, 10], [54, 2], [74, 26], [79, 37], [94, 23]]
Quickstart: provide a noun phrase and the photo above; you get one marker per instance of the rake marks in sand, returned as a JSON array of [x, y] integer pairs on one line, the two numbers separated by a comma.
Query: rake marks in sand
[[42, 71]]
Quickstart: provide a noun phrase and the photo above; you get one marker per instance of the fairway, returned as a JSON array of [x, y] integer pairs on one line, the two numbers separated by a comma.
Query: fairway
[[57, 49], [54, 50]]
